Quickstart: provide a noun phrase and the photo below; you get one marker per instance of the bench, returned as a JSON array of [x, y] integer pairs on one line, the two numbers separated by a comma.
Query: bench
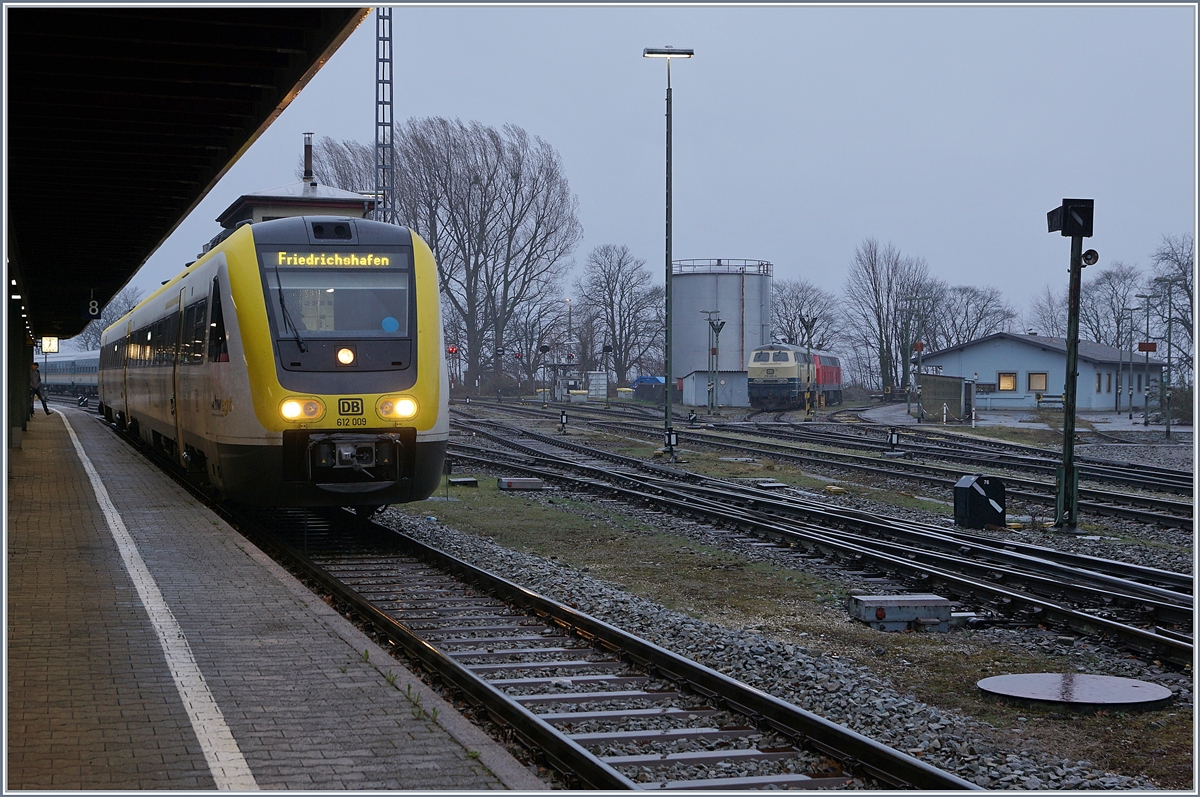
[[1049, 401]]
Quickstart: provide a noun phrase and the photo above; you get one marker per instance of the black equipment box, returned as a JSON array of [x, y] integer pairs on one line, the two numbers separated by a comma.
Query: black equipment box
[[979, 502]]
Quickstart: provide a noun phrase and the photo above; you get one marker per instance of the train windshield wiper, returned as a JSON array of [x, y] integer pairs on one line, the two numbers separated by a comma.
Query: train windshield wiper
[[287, 317]]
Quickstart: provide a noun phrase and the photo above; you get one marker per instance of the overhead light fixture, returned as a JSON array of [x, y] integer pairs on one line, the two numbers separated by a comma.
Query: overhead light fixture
[[668, 52]]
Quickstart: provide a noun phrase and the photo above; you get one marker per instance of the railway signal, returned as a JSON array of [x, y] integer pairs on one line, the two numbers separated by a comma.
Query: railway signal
[[1072, 219]]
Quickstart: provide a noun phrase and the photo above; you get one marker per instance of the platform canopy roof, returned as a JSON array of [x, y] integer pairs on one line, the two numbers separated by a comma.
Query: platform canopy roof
[[121, 120]]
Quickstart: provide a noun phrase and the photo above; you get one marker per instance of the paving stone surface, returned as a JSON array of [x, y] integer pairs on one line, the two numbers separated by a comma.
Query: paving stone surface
[[91, 703]]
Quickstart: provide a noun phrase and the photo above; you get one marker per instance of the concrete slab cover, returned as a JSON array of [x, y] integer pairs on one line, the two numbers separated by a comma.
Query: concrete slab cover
[[1077, 691], [519, 483]]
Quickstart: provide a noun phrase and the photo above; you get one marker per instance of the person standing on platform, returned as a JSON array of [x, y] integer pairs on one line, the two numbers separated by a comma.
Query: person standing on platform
[[35, 387]]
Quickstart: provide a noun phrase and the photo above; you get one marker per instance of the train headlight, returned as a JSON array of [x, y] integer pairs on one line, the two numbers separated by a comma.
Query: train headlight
[[345, 356], [397, 407], [301, 409]]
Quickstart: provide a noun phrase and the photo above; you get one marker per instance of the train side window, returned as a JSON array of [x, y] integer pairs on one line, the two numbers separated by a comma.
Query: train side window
[[218, 346], [195, 330], [186, 346]]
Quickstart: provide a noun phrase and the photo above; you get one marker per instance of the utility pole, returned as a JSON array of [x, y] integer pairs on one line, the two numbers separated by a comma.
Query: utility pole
[[1073, 219], [385, 170], [1168, 375]]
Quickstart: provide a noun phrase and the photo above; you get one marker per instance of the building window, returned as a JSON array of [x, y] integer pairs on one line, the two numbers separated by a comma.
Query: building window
[[1108, 383], [1006, 381], [1139, 387], [1098, 378], [1037, 382]]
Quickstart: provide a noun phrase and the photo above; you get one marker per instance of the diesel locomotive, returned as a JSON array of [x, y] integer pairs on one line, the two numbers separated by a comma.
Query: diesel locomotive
[[779, 375], [297, 362]]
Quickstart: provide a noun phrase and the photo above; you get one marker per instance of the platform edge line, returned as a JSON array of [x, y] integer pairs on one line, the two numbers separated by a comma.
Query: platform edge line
[[225, 760]]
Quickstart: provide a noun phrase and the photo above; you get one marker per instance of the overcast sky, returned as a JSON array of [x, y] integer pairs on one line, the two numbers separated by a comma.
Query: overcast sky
[[799, 131]]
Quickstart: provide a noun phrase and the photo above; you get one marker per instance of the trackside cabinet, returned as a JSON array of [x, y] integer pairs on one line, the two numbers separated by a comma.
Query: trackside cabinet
[[979, 502]]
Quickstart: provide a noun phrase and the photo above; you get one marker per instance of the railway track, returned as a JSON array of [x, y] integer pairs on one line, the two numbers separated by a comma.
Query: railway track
[[1006, 578], [1143, 508], [1129, 474], [601, 706]]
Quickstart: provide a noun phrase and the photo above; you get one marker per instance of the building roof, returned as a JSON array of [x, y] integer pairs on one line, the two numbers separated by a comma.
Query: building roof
[[301, 192], [120, 120], [1089, 351]]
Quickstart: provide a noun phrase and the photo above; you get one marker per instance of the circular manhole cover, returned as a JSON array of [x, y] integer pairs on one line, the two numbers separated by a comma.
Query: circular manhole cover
[[1082, 692]]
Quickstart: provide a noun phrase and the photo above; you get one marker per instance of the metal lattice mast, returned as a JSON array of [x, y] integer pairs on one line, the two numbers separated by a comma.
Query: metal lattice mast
[[385, 172]]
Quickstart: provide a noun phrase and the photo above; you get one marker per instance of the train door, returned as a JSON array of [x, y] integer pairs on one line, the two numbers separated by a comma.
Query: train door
[[123, 413], [176, 392]]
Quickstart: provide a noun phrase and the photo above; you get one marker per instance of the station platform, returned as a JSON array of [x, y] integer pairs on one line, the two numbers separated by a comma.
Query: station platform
[[149, 646]]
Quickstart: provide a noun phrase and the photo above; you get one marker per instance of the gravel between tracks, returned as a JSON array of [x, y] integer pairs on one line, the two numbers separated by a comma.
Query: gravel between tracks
[[835, 689]]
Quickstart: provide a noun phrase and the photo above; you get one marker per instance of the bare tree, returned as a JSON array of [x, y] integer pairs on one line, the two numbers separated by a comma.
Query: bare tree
[[1102, 300], [1047, 313], [349, 165], [885, 293], [966, 313], [89, 339], [618, 285], [802, 313], [496, 208], [536, 323], [1174, 260]]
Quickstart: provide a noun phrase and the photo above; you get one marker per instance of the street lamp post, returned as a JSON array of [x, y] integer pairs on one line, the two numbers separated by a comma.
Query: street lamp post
[[668, 53]]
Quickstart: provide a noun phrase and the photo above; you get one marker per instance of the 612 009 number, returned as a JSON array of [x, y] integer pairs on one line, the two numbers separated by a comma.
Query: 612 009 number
[[351, 421]]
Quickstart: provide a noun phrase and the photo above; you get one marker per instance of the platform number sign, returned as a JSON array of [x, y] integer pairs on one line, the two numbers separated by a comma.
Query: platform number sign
[[92, 309]]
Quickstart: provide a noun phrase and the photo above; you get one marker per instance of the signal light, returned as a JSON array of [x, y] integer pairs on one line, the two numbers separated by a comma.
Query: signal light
[[451, 350]]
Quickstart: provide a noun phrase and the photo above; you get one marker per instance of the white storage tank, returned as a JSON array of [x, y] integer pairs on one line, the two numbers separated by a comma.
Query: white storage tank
[[740, 290]]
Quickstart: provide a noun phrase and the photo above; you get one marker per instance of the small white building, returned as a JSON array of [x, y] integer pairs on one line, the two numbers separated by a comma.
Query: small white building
[[1011, 371], [732, 389]]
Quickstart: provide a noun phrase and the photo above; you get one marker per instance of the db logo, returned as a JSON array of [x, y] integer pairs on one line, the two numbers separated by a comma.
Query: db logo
[[350, 406]]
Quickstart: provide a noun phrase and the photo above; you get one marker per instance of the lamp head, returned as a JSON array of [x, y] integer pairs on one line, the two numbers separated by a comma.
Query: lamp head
[[668, 52], [1091, 257]]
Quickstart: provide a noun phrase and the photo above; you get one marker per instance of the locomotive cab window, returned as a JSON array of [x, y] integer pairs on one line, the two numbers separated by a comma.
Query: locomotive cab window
[[340, 302], [762, 356], [780, 357]]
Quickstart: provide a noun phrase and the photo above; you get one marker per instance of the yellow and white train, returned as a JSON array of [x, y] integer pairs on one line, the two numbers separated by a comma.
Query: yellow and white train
[[298, 362]]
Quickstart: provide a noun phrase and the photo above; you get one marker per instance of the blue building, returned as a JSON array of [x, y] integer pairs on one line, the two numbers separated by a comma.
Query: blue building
[[1011, 371]]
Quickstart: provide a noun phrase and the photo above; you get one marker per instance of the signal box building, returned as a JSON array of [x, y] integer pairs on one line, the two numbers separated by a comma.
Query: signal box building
[[1013, 371]]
